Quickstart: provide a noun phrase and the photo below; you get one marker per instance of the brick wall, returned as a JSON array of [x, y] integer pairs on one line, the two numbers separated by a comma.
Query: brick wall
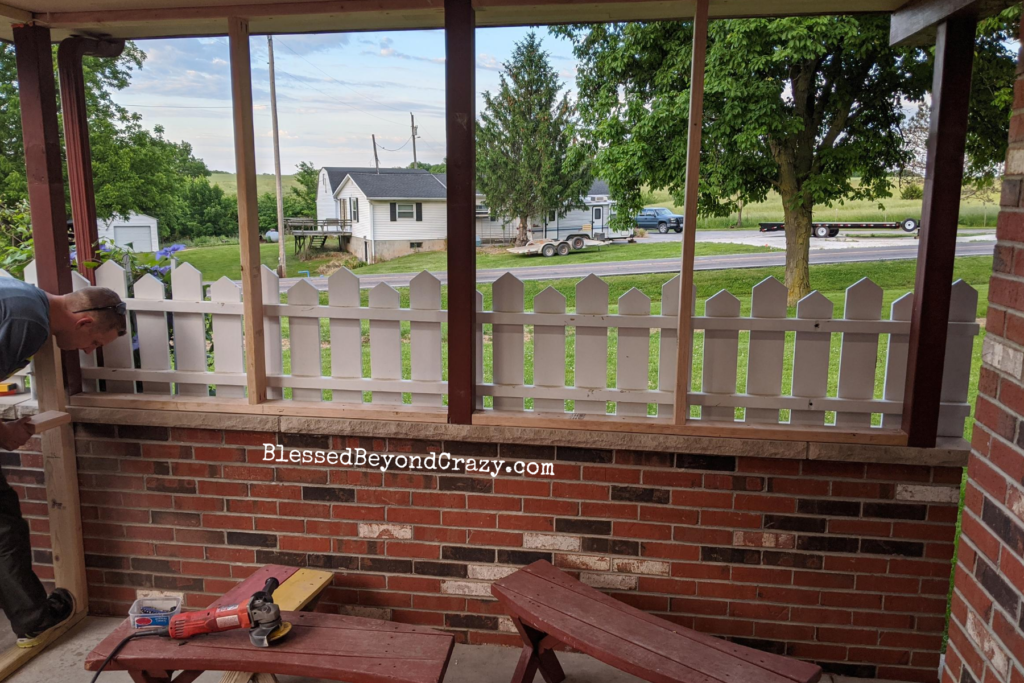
[[986, 632], [846, 564]]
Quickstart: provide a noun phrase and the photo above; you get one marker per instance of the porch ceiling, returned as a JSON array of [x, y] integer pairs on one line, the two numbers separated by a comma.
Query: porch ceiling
[[177, 18]]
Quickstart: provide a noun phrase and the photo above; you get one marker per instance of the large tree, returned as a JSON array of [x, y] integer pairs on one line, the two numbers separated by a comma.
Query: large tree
[[808, 107], [530, 160]]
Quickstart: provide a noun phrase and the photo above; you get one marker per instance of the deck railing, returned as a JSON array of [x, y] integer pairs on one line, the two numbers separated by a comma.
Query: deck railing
[[542, 358]]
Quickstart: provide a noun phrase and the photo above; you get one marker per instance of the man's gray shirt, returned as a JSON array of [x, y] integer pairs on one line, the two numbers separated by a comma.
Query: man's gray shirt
[[24, 324]]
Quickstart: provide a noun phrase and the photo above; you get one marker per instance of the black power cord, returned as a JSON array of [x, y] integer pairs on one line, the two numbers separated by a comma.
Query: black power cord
[[124, 641]]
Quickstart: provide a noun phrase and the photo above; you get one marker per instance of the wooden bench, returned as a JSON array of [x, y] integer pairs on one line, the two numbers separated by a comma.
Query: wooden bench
[[549, 607], [319, 646]]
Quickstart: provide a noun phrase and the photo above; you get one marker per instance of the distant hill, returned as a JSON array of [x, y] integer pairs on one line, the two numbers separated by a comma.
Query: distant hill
[[264, 182]]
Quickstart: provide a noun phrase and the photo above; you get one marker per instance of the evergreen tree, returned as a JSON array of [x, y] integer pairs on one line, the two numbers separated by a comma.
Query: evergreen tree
[[530, 160]]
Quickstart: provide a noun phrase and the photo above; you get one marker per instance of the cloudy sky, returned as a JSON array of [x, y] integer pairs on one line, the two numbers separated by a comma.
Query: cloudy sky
[[333, 92]]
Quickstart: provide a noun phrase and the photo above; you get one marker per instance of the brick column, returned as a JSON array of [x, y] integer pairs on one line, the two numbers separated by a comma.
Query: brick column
[[986, 630]]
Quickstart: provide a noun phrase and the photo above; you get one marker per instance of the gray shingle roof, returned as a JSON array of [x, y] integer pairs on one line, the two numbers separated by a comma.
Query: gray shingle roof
[[599, 187], [335, 174], [401, 185]]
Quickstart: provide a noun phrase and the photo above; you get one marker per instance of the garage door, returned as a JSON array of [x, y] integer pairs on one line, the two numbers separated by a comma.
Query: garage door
[[138, 238]]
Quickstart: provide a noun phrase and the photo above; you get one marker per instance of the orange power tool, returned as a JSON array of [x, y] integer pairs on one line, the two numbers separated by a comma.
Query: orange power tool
[[260, 615]]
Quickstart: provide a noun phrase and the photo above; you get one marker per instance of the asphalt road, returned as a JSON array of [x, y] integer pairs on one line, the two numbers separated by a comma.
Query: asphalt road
[[563, 268]]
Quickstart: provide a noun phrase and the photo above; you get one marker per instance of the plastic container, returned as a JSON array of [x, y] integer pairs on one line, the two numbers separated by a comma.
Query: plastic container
[[149, 613]]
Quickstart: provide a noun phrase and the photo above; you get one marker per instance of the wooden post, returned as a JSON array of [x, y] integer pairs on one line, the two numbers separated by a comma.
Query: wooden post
[[460, 100], [954, 55], [248, 215], [49, 230], [684, 349]]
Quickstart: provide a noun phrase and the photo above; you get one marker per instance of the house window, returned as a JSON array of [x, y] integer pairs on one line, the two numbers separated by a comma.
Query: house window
[[355, 209], [415, 245], [551, 216], [494, 219], [597, 213], [406, 211]]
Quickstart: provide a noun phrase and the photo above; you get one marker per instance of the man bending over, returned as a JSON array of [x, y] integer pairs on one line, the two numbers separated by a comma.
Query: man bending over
[[82, 321]]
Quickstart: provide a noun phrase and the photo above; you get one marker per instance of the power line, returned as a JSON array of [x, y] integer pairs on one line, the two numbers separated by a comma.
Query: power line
[[398, 149]]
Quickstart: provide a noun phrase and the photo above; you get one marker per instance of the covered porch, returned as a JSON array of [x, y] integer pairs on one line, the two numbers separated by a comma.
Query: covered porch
[[725, 483]]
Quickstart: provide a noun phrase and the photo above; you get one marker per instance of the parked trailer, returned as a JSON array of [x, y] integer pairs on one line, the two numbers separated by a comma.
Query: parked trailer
[[556, 247], [832, 229]]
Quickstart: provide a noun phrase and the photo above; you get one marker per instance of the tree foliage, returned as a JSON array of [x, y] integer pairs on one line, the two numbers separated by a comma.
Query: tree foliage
[[530, 160], [134, 169], [808, 107], [303, 194]]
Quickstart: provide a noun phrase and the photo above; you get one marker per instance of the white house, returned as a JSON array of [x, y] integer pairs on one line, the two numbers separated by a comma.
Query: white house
[[138, 232], [398, 211]]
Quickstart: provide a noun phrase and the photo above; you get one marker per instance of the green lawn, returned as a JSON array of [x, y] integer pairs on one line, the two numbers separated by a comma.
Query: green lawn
[[973, 212], [264, 182], [220, 261]]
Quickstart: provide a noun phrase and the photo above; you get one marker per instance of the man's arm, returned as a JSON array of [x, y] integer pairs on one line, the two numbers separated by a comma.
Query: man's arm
[[19, 341], [14, 435]]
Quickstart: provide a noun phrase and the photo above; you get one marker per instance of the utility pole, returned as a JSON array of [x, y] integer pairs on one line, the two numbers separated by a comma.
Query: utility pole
[[282, 269], [413, 120], [376, 163]]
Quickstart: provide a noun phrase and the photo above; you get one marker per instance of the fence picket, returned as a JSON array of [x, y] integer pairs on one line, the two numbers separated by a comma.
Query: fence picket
[[189, 328], [549, 351], [385, 343], [304, 338], [633, 353], [228, 349], [810, 358], [85, 360], [858, 356], [507, 346], [667, 342], [273, 346], [154, 346], [721, 348], [956, 372], [592, 343], [896, 359], [478, 298], [424, 337], [30, 273], [118, 353], [346, 335], [767, 349]]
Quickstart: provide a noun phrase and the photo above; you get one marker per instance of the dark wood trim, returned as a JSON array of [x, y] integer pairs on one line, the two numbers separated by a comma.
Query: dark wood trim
[[684, 350], [954, 57], [43, 168], [460, 122]]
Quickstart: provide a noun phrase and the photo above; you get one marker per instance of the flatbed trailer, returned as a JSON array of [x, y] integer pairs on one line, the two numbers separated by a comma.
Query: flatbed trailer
[[831, 229], [557, 247]]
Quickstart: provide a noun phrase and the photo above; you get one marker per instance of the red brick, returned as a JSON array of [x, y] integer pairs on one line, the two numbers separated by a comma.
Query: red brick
[[199, 503], [383, 497], [673, 551], [416, 584], [249, 438], [357, 513], [675, 478], [803, 487], [550, 506], [702, 499], [305, 544], [223, 488], [215, 454], [765, 503], [859, 527], [654, 532], [515, 486], [702, 536], [440, 534], [301, 475], [630, 511], [580, 491], [526, 522], [493, 502], [499, 538], [763, 575], [848, 636], [699, 606], [283, 524], [413, 515], [620, 475], [1009, 460], [248, 473], [817, 615], [279, 491], [731, 519], [287, 508], [438, 500], [197, 435], [475, 520], [419, 550], [978, 534]]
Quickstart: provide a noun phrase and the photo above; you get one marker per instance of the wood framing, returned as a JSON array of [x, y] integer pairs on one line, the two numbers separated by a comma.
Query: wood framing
[[248, 215], [15, 14], [917, 22], [49, 230], [76, 140], [954, 57], [460, 125], [684, 349]]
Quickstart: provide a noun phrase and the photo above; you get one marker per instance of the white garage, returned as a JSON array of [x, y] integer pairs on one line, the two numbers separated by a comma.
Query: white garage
[[138, 232]]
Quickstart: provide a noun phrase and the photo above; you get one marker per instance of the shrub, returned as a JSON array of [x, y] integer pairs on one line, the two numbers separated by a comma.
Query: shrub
[[912, 191]]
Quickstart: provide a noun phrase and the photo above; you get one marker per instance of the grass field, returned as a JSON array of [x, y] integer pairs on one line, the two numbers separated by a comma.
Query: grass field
[[220, 261], [264, 182], [973, 213]]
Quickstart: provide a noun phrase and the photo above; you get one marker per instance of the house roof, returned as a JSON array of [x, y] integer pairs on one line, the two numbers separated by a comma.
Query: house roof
[[401, 185], [599, 187], [335, 174], [179, 18]]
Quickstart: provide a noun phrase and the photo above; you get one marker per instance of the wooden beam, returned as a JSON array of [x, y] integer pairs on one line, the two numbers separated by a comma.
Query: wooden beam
[[248, 214], [15, 15], [76, 139], [460, 125], [16, 657], [45, 421], [917, 22], [684, 349], [947, 138]]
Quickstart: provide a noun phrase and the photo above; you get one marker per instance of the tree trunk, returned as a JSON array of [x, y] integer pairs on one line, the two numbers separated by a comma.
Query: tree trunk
[[521, 236], [798, 244], [739, 215]]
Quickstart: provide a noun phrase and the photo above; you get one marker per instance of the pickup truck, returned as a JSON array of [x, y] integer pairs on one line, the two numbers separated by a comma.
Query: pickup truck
[[660, 219]]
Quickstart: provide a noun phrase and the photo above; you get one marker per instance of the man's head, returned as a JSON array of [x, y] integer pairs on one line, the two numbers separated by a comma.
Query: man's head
[[94, 317]]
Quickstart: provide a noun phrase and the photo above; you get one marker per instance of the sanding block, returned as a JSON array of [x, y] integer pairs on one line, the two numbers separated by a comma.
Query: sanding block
[[44, 421]]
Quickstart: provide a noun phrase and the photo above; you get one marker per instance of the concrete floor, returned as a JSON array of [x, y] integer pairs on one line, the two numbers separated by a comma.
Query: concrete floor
[[469, 663]]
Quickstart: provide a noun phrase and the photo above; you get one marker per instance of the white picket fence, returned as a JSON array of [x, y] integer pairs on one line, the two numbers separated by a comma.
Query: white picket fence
[[630, 373]]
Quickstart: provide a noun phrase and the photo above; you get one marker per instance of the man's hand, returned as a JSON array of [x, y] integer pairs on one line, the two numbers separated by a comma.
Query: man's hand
[[14, 435]]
